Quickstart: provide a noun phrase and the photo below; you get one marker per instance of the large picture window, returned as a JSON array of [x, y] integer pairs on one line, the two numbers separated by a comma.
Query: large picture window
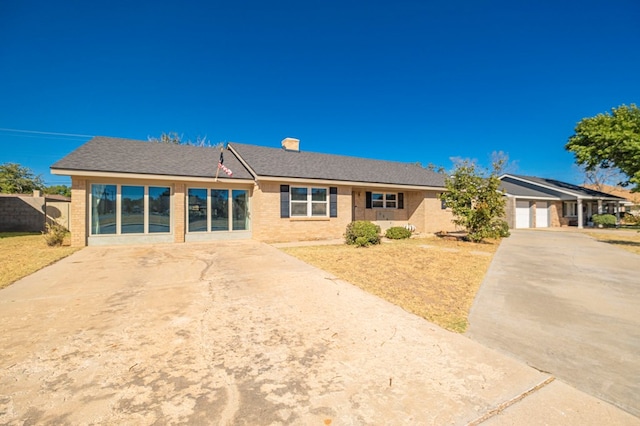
[[197, 210], [309, 202], [228, 210], [103, 209], [219, 209], [240, 209], [130, 209], [159, 209]]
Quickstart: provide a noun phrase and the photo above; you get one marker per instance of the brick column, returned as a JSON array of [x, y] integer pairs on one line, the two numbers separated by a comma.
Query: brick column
[[178, 213], [79, 212]]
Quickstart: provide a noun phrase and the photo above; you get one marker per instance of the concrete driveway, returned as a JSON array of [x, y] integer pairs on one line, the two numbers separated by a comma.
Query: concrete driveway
[[567, 304], [240, 333]]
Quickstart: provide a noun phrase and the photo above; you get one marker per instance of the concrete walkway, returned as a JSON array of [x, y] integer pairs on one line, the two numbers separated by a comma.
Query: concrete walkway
[[241, 333], [567, 304]]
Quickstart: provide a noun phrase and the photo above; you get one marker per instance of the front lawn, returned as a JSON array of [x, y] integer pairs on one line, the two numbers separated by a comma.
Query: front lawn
[[22, 254], [624, 239], [430, 277]]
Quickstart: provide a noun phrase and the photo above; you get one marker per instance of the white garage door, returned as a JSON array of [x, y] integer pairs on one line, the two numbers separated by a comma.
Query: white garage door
[[522, 214], [542, 214]]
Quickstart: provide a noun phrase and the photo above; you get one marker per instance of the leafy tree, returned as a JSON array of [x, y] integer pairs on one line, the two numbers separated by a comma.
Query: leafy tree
[[610, 140], [176, 139], [476, 201], [17, 179], [58, 190]]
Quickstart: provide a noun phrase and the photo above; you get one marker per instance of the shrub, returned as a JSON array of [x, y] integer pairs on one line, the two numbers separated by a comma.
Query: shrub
[[606, 220], [397, 233], [55, 234], [502, 228], [362, 233]]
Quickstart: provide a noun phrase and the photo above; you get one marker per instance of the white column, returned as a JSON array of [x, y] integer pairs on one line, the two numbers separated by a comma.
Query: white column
[[618, 212], [580, 218], [599, 206], [589, 210]]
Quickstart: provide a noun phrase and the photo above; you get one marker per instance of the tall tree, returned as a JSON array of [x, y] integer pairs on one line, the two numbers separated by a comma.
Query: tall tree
[[17, 179], [476, 200], [610, 140]]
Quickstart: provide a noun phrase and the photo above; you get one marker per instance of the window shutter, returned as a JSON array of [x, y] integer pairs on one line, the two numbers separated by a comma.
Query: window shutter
[[333, 201], [564, 209], [284, 200], [401, 200], [368, 201]]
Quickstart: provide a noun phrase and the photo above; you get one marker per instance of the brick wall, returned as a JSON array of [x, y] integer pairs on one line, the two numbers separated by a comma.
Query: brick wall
[[79, 214], [268, 226], [555, 214], [179, 214], [436, 218], [422, 209], [21, 213]]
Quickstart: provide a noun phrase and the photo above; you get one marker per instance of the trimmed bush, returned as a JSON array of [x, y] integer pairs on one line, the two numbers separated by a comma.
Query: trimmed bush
[[606, 220], [397, 233], [362, 233], [54, 235]]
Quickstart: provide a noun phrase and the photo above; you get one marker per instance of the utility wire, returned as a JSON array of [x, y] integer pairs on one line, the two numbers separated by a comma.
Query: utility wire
[[45, 133]]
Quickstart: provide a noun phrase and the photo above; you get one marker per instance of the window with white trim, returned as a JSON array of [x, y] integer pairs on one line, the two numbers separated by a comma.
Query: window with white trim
[[309, 202], [570, 209], [384, 200]]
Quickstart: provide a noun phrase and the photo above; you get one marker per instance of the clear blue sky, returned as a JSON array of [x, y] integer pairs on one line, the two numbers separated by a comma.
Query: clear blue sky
[[399, 80]]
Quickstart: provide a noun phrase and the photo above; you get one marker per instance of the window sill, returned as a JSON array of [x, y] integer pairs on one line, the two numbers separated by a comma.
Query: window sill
[[309, 219]]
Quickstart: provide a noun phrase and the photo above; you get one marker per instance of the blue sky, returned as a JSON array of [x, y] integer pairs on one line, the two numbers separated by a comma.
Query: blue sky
[[404, 80]]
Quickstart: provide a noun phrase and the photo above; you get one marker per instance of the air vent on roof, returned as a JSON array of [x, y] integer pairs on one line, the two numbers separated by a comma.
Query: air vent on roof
[[291, 144]]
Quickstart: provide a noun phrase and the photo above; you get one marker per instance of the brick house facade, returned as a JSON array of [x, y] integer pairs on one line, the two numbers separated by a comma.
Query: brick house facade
[[534, 202], [126, 192]]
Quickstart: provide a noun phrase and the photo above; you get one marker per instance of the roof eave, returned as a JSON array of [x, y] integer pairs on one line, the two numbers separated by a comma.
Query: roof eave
[[122, 175], [350, 183]]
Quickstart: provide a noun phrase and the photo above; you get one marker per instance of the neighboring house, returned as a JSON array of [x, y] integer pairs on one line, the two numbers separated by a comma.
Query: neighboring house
[[30, 212], [534, 202], [632, 199], [126, 191]]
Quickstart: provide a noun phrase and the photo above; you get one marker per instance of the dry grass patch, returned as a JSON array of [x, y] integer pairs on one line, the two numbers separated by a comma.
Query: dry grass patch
[[430, 277], [22, 254], [625, 241]]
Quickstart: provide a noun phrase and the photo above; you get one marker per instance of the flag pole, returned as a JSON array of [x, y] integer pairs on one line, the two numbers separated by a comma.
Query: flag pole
[[218, 168]]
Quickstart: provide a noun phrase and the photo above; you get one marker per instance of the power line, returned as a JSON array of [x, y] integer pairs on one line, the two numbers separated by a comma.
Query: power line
[[45, 133]]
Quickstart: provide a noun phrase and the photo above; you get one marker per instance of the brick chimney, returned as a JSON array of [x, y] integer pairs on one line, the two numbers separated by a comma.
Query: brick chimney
[[291, 144]]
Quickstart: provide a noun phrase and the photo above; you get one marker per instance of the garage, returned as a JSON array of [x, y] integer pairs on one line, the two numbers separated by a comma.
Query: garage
[[523, 215], [542, 214]]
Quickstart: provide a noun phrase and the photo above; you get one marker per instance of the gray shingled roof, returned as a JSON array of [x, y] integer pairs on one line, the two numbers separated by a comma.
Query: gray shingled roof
[[519, 187], [277, 162], [104, 154]]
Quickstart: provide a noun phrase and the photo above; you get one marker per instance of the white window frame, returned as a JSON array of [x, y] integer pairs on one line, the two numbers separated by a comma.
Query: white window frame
[[309, 201], [571, 208], [387, 203]]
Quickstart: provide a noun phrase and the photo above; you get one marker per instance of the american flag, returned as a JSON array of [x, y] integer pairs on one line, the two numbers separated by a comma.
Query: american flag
[[223, 167]]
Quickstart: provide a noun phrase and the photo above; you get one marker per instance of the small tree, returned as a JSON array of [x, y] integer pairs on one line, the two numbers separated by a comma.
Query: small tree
[[476, 201], [17, 179]]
